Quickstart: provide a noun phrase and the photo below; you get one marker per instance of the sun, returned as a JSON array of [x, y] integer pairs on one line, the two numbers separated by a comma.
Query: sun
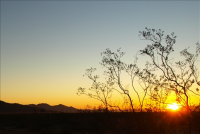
[[173, 106]]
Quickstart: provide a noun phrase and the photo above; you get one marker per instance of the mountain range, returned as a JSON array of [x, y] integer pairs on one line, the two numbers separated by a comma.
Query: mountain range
[[34, 108]]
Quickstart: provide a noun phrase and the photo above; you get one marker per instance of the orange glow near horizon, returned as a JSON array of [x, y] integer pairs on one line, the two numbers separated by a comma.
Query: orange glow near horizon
[[173, 106]]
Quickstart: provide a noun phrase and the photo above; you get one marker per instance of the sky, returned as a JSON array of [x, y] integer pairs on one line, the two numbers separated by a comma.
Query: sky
[[46, 46]]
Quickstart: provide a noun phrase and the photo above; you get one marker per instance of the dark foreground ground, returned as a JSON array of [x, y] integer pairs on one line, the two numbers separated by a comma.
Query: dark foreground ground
[[99, 123]]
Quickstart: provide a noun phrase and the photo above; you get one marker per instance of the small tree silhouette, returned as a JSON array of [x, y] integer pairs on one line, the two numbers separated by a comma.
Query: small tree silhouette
[[100, 91]]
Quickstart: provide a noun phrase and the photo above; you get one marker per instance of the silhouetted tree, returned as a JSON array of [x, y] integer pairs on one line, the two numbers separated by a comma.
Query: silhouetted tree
[[114, 68], [178, 82], [160, 77], [112, 62], [177, 77], [100, 91]]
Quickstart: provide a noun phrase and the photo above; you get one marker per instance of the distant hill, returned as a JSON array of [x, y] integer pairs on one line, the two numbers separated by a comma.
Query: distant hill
[[18, 108], [58, 108], [32, 108]]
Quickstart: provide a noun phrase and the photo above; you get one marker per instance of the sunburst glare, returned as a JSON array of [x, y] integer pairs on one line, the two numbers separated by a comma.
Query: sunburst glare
[[173, 106]]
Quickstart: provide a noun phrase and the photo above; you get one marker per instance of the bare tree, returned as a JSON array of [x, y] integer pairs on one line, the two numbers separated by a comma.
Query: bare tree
[[100, 91], [112, 62], [173, 77], [114, 69], [177, 77], [178, 82]]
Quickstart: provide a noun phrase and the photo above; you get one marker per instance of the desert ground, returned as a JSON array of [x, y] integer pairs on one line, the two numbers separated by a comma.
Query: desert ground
[[99, 123]]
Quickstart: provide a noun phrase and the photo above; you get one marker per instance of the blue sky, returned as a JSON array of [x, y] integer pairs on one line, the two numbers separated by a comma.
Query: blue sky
[[47, 45]]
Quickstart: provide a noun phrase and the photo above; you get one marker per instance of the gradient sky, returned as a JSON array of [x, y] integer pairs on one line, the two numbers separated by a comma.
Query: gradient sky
[[47, 45]]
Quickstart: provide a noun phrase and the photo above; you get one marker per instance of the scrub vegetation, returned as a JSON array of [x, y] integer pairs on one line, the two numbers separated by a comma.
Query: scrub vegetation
[[161, 77]]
